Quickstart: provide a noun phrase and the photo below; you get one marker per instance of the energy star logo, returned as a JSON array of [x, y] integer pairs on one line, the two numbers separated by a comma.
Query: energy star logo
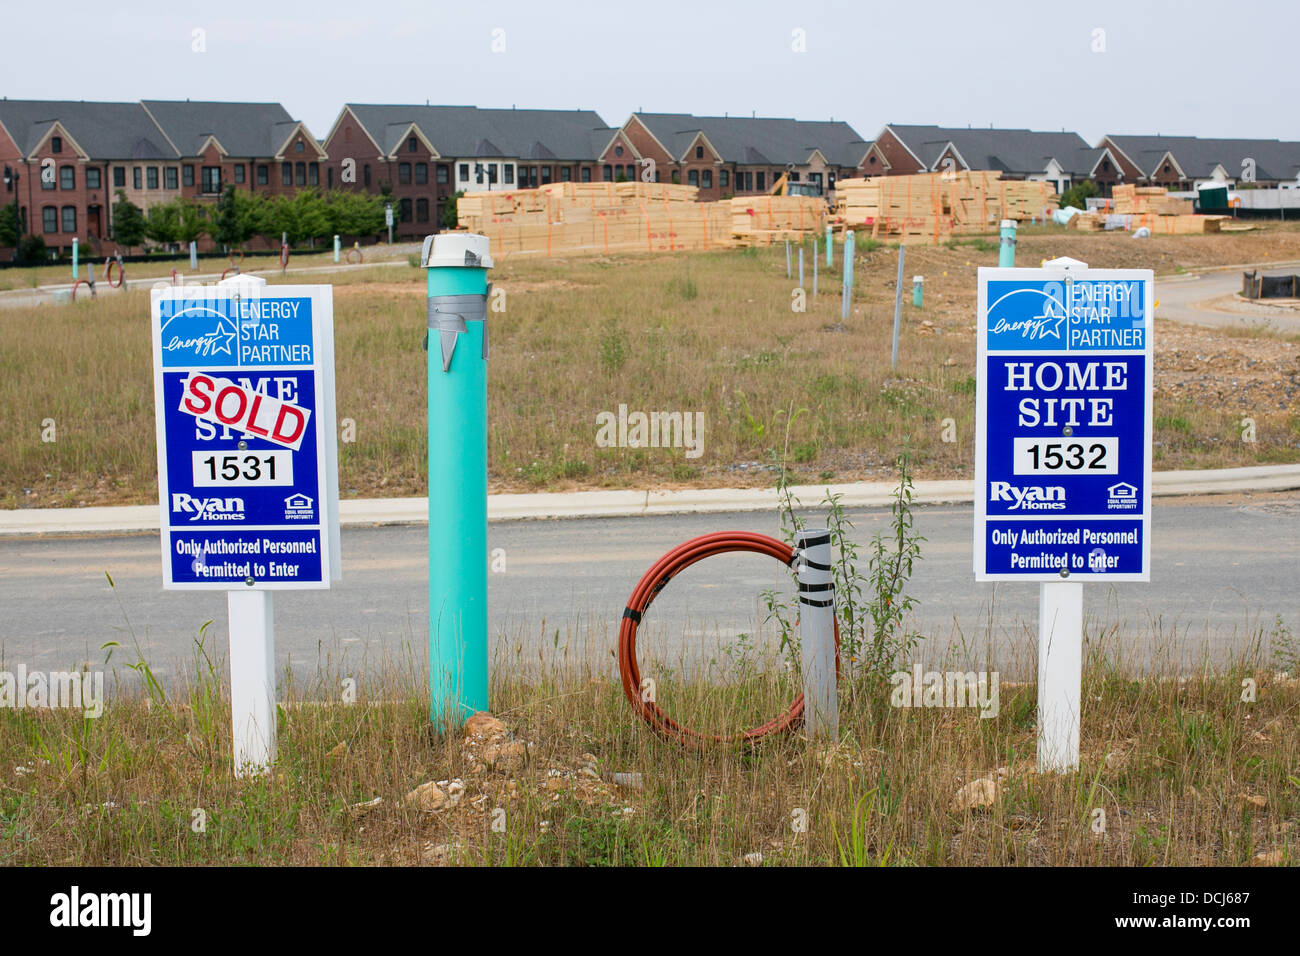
[[1028, 498], [1027, 313], [199, 335]]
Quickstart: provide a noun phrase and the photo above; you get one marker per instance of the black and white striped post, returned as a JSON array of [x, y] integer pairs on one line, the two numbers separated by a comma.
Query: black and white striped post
[[821, 714]]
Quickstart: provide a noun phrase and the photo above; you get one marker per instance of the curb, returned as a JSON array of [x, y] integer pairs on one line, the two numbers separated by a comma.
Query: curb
[[374, 512]]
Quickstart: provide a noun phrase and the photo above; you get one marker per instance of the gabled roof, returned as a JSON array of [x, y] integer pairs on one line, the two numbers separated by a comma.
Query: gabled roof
[[758, 140], [1019, 151], [468, 131], [102, 130], [242, 129], [1275, 160]]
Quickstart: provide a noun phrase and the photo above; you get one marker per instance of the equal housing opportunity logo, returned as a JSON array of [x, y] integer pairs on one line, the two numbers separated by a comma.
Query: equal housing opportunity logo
[[48, 690], [915, 688]]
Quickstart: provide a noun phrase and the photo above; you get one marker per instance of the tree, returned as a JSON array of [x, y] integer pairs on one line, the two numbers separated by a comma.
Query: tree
[[128, 221], [191, 220], [162, 223], [1077, 195], [450, 217], [11, 226], [305, 216], [354, 213], [32, 250]]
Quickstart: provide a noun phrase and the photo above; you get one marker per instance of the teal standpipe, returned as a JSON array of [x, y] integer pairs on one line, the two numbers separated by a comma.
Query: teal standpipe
[[458, 555], [1007, 250]]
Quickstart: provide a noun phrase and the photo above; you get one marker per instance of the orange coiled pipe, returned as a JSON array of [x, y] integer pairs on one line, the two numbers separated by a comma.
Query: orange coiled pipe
[[648, 588]]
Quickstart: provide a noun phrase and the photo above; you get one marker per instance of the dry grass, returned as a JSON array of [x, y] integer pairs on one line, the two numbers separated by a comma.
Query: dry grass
[[1185, 773], [711, 333]]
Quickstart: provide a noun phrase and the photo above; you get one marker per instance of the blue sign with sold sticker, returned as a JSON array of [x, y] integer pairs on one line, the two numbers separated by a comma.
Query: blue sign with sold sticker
[[1063, 424], [247, 455]]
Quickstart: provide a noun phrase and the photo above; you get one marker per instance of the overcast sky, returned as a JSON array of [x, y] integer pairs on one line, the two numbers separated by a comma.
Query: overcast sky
[[1143, 66]]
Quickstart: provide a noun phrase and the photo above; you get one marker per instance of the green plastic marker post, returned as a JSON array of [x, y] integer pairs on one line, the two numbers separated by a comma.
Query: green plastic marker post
[[74, 259], [918, 291], [1007, 251], [830, 255], [336, 247], [457, 266]]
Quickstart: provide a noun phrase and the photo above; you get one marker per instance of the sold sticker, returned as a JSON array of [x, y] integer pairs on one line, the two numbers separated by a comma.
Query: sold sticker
[[225, 402]]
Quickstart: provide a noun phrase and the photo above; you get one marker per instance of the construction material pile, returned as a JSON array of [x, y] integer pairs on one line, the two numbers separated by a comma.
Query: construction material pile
[[566, 219], [931, 207], [1164, 215]]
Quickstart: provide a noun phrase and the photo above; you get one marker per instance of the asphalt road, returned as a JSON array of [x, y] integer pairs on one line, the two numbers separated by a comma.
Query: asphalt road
[[1223, 569], [1208, 299]]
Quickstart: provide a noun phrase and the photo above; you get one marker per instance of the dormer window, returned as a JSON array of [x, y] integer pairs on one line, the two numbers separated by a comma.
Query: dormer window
[[699, 152], [56, 144], [618, 150], [297, 147], [410, 145]]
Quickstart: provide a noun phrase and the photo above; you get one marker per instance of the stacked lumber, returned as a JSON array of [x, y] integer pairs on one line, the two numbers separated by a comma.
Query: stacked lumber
[[562, 219], [1149, 199], [764, 219], [930, 207], [1181, 225]]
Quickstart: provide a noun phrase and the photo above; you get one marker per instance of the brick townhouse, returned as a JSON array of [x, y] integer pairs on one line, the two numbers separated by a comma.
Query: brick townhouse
[[1184, 162], [151, 151], [734, 155], [425, 154]]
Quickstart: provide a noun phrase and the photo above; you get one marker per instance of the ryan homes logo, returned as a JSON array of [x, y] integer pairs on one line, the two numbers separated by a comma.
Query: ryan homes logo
[[208, 509], [1028, 498]]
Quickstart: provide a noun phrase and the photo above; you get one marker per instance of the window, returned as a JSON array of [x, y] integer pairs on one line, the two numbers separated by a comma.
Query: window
[[421, 173], [329, 175], [56, 144], [546, 174], [151, 177], [313, 174], [677, 177], [566, 174], [585, 175], [300, 174], [137, 179], [760, 179], [404, 173], [706, 179], [211, 179], [724, 178], [297, 147], [47, 182], [239, 173], [492, 173], [49, 218], [509, 174], [608, 174], [618, 150], [692, 177], [410, 145], [169, 177], [187, 175], [422, 210], [68, 177], [404, 210], [92, 178], [794, 176], [442, 174], [699, 152], [365, 175], [263, 174], [69, 218], [286, 174], [119, 177], [464, 172]]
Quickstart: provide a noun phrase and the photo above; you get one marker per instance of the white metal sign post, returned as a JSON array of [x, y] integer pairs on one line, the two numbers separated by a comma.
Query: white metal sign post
[[1063, 456], [247, 467]]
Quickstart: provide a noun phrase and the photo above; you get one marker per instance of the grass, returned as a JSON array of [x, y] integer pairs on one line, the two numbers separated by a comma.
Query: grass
[[1185, 772], [707, 332]]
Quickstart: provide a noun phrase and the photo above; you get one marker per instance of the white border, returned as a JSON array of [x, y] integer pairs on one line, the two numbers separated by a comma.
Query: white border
[[980, 531], [322, 306]]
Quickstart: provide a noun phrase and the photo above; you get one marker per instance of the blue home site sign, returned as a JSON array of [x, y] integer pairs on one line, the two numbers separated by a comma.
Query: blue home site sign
[[247, 454], [1063, 424]]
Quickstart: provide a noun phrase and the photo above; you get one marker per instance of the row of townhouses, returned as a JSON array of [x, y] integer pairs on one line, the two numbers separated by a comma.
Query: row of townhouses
[[65, 162]]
